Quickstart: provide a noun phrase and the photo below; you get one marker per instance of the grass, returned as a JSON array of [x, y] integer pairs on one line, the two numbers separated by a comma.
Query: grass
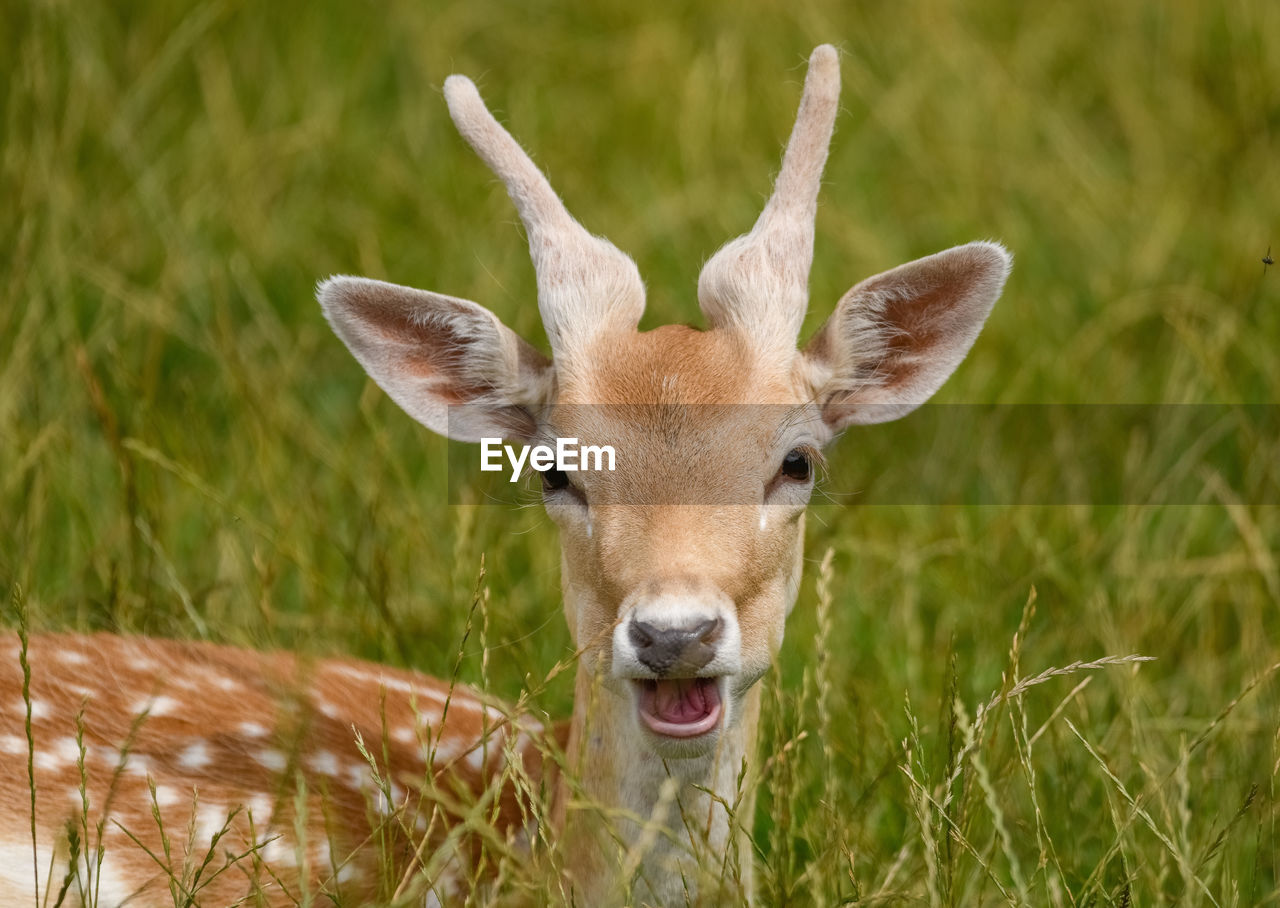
[[186, 450]]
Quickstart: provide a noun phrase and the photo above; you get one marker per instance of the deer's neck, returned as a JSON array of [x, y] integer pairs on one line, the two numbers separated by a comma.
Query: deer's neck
[[658, 826]]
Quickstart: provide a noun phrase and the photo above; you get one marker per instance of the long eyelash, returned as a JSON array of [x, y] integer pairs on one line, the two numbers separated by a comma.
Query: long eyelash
[[815, 456], [795, 417]]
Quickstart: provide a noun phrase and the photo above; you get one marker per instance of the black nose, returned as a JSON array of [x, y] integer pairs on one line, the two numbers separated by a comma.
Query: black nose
[[674, 651]]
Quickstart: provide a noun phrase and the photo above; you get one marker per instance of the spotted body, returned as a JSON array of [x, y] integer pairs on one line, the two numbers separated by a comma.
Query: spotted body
[[136, 741]]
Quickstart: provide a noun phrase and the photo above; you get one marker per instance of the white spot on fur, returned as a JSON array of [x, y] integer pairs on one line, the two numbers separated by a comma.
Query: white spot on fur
[[446, 751], [395, 684], [210, 819], [47, 761], [39, 709], [113, 884], [280, 853], [196, 756], [405, 735], [252, 730], [475, 759], [72, 657], [272, 759], [12, 744], [17, 866], [357, 776], [348, 872], [167, 796], [67, 749], [322, 762], [229, 685], [16, 869], [328, 710], [157, 706], [523, 744], [108, 755], [259, 808]]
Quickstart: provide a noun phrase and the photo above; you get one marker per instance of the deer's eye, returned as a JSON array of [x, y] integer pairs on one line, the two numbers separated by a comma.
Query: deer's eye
[[796, 465], [554, 480]]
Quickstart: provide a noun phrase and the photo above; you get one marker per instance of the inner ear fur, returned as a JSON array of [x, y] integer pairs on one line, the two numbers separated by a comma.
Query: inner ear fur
[[896, 337], [448, 362]]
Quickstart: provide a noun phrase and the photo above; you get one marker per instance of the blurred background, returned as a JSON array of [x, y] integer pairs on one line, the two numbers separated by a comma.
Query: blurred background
[[186, 450]]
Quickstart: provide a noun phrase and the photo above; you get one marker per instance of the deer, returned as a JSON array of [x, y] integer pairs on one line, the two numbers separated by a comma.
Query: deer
[[678, 572]]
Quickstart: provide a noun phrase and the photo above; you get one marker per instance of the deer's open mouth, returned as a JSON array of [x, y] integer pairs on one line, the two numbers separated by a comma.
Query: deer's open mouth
[[679, 707]]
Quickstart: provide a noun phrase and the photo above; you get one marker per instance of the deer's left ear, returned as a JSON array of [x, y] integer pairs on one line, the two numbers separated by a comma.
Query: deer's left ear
[[896, 337]]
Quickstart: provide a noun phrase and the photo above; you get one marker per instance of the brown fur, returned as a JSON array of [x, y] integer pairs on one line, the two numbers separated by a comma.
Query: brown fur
[[262, 734]]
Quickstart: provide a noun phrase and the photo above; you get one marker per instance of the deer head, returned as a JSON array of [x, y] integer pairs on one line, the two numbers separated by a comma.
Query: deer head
[[680, 566]]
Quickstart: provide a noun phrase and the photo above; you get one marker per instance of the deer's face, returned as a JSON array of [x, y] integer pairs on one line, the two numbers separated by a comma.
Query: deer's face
[[681, 564]]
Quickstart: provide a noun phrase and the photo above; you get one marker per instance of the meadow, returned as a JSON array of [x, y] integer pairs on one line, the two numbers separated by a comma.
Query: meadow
[[186, 450]]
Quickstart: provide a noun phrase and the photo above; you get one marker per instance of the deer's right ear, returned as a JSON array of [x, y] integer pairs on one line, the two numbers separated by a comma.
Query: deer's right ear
[[449, 363]]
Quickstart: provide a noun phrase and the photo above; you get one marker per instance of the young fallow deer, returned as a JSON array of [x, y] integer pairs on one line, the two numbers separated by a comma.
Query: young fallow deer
[[677, 609]]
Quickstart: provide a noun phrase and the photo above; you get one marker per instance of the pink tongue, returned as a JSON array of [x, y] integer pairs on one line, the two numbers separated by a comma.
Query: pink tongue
[[684, 700]]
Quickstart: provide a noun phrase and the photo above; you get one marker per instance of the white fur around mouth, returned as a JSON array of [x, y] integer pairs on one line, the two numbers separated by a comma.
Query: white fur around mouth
[[679, 707]]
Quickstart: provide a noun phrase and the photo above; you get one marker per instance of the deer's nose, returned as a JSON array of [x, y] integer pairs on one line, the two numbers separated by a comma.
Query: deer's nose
[[676, 651]]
